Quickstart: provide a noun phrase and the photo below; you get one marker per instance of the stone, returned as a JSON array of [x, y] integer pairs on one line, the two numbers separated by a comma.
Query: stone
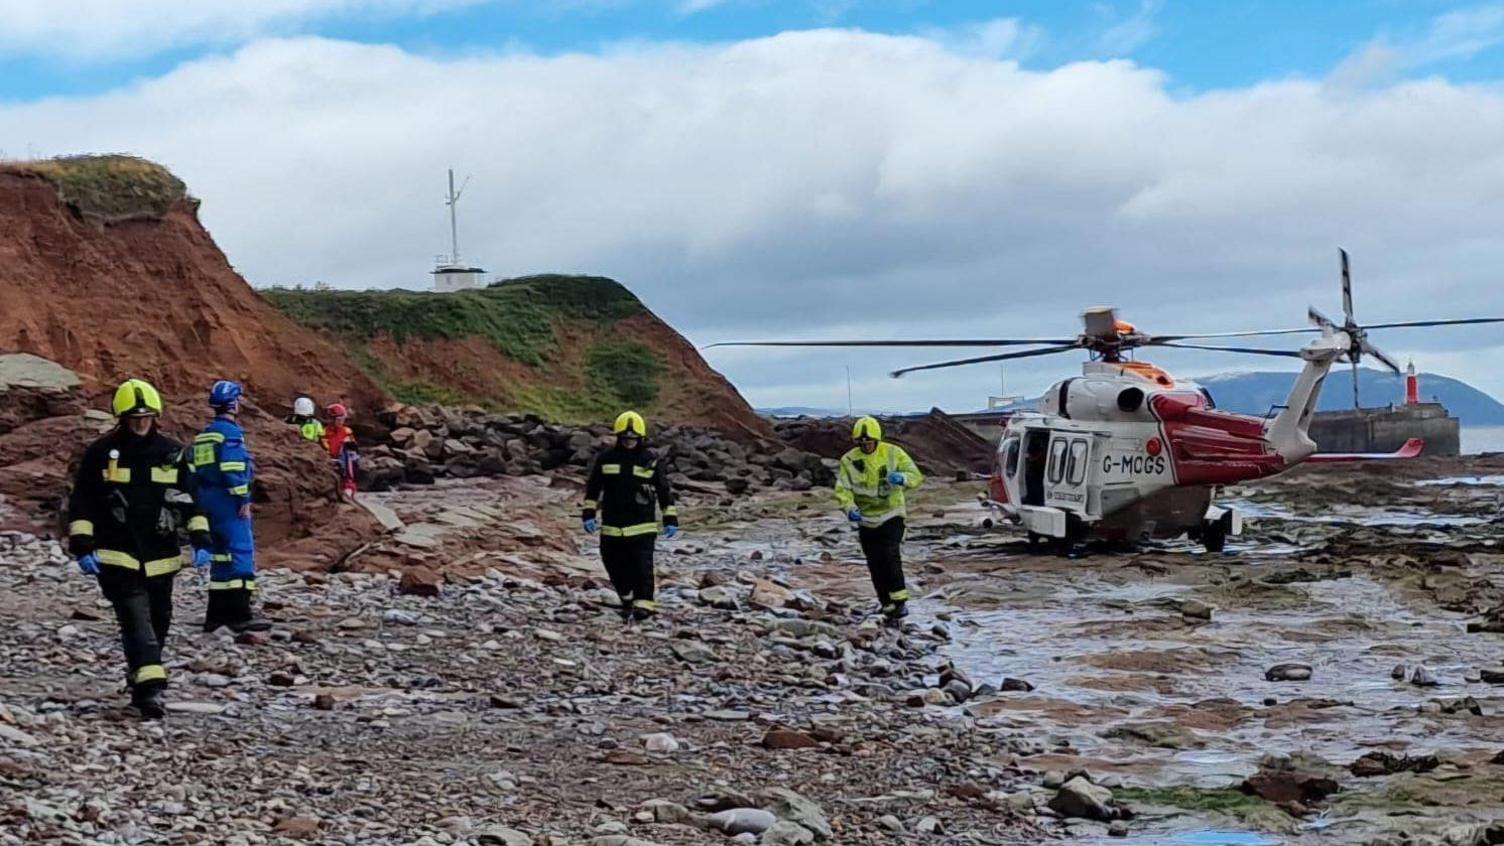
[[299, 827], [929, 825], [1016, 685], [958, 690], [662, 742], [1383, 763], [785, 833], [1288, 672], [664, 811], [1117, 829], [891, 823], [1289, 787], [1081, 799], [780, 738], [280, 679], [788, 805], [693, 652], [1195, 609], [502, 836], [718, 597], [1423, 677], [324, 702], [768, 595], [203, 708], [1493, 675], [742, 821], [727, 716], [1162, 735], [420, 581]]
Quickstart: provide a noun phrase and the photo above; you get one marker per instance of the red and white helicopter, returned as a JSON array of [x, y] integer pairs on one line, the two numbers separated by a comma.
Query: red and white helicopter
[[1126, 451]]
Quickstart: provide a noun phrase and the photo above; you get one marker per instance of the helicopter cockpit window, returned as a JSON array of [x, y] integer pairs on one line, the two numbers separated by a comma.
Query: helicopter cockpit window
[[1010, 458], [1075, 467], [1057, 461]]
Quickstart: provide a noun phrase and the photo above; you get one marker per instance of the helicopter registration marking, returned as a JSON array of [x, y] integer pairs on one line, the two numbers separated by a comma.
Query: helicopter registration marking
[[1134, 465]]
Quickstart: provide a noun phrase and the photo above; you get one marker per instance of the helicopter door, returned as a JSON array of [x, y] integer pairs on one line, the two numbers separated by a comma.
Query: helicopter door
[[1067, 471]]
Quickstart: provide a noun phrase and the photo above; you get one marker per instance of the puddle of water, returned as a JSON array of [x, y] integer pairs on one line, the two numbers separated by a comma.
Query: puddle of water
[[1462, 481], [1224, 838], [1356, 516]]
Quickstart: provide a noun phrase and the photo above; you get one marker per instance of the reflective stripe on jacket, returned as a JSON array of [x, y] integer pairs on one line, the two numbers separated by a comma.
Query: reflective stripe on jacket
[[627, 487]]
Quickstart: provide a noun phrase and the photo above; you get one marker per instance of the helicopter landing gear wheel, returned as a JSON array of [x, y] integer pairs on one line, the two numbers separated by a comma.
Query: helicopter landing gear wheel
[[1036, 540]]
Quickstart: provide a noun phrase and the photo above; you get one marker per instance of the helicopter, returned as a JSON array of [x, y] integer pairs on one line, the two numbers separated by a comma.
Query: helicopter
[[1127, 452]]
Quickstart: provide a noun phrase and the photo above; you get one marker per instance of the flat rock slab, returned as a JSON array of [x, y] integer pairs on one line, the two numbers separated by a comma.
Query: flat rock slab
[[30, 371], [385, 516]]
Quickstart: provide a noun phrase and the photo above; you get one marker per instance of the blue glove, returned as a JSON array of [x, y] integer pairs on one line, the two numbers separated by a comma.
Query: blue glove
[[670, 532], [592, 525], [201, 558], [896, 478], [854, 515], [89, 563]]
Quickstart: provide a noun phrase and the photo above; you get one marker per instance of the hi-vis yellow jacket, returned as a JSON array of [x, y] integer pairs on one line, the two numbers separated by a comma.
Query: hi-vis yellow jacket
[[862, 482]]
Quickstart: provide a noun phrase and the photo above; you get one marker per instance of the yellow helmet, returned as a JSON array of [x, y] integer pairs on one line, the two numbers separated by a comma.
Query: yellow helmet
[[630, 421], [867, 427], [135, 398]]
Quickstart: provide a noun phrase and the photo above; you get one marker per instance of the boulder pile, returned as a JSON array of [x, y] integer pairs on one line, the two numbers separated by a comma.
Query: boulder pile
[[433, 442]]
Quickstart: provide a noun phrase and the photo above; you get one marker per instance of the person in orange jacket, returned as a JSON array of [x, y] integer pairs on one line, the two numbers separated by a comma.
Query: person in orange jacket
[[339, 439]]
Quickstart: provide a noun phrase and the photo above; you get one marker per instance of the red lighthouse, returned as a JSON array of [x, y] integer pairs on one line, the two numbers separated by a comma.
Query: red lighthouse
[[1412, 386]]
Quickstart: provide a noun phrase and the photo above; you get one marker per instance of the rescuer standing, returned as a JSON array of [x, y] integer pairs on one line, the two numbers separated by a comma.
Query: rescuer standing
[[870, 486], [304, 417], [124, 515], [339, 439], [222, 473], [627, 486]]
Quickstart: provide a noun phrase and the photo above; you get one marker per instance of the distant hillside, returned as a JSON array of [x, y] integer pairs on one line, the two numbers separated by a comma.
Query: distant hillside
[[1255, 393], [807, 411], [568, 348]]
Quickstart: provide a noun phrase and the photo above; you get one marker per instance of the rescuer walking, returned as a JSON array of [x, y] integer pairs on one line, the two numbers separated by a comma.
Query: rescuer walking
[[124, 515], [222, 472], [870, 486], [627, 486]]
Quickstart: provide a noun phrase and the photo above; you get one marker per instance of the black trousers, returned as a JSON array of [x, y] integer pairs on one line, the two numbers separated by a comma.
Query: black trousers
[[629, 563], [143, 606], [883, 546]]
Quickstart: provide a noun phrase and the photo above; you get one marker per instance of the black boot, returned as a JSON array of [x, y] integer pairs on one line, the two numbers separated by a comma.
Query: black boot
[[644, 609], [147, 699], [240, 616], [216, 614]]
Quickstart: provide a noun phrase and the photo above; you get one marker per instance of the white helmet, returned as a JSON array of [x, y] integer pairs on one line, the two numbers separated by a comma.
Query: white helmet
[[303, 407]]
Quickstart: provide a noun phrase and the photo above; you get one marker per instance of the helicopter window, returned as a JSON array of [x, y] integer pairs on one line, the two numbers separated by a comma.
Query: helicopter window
[[1075, 467], [1057, 461], [1010, 458], [1210, 403]]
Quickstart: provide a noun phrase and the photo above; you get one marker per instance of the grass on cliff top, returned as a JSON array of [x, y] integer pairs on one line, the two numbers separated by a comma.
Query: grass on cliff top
[[109, 188], [516, 315]]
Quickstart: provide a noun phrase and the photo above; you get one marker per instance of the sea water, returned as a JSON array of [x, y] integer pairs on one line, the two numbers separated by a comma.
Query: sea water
[[1476, 439]]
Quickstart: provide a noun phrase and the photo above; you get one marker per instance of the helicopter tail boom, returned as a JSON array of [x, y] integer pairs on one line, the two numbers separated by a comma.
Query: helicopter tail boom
[[1288, 433]]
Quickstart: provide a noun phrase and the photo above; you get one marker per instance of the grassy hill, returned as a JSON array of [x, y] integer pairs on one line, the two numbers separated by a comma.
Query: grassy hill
[[568, 348]]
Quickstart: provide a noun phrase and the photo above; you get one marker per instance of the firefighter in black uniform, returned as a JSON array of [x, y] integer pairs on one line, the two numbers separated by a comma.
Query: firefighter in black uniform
[[124, 517], [627, 486]]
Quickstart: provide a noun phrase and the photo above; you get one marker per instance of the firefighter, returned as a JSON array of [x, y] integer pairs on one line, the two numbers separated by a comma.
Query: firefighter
[[627, 486], [870, 486], [222, 473], [339, 439], [304, 417], [124, 514]]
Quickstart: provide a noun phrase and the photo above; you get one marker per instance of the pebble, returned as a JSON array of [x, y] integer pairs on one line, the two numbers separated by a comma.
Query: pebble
[[1288, 672]]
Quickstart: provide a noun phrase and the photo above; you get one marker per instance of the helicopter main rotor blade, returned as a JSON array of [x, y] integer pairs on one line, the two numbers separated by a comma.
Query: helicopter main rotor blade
[[1412, 323], [1371, 350], [985, 358], [929, 342], [1158, 340], [1244, 350], [1356, 404], [1347, 290], [1322, 321]]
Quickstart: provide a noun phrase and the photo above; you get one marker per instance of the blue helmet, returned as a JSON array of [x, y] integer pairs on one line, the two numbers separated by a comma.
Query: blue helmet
[[225, 394]]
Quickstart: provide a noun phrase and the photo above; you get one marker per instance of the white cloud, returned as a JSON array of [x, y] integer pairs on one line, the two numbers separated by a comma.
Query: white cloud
[[1125, 36], [1462, 34], [839, 183], [992, 39], [690, 7], [100, 28]]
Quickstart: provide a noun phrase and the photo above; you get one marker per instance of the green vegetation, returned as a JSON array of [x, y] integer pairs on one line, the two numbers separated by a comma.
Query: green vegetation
[[109, 188], [629, 371], [1228, 801], [517, 315]]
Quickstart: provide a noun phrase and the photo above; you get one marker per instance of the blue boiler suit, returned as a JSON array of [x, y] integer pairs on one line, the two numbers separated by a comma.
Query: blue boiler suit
[[223, 469]]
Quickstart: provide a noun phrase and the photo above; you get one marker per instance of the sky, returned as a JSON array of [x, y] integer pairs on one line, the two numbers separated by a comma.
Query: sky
[[828, 168]]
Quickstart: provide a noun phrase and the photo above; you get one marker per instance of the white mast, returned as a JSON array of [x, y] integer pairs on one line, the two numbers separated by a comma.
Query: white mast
[[452, 201]]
